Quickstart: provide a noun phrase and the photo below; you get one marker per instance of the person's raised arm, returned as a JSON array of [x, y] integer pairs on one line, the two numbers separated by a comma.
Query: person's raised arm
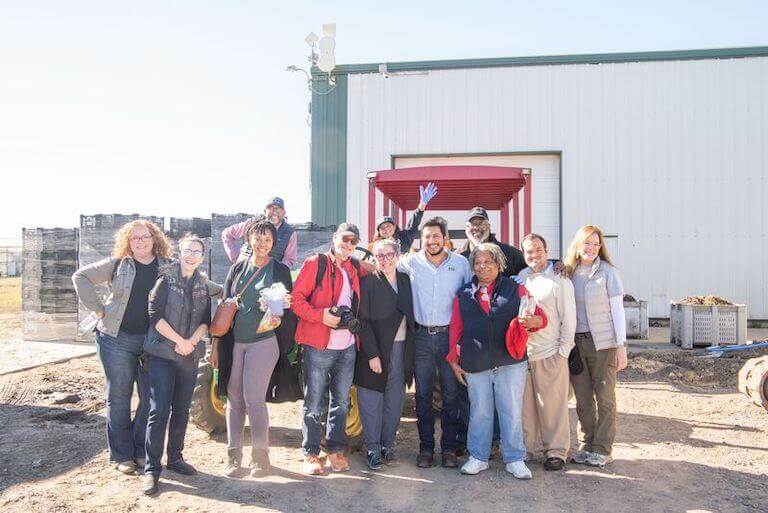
[[87, 278], [232, 238]]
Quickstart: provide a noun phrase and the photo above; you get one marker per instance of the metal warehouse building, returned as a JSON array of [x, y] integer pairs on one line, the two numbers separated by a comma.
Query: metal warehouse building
[[666, 151]]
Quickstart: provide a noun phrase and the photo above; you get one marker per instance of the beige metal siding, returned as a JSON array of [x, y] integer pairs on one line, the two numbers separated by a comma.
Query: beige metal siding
[[671, 157]]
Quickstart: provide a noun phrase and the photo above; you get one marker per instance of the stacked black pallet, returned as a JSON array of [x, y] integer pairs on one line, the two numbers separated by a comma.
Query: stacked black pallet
[[219, 261], [49, 302], [180, 226], [97, 240]]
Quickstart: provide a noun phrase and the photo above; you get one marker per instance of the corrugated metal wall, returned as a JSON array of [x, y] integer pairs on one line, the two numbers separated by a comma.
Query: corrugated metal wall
[[672, 157], [328, 153]]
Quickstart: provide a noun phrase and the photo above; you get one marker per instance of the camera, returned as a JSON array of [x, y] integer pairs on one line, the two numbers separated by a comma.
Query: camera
[[347, 320]]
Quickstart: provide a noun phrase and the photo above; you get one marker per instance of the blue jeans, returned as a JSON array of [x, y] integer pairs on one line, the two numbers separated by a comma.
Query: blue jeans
[[171, 383], [380, 412], [430, 353], [326, 372], [501, 389], [120, 359]]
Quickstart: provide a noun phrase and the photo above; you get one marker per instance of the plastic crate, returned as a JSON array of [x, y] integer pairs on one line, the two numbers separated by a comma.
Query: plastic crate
[[636, 314], [702, 325]]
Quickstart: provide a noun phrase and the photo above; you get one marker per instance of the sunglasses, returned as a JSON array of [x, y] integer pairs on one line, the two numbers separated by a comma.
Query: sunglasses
[[350, 239]]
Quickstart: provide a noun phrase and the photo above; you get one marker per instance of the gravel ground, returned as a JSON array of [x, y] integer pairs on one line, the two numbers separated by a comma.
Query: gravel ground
[[687, 442]]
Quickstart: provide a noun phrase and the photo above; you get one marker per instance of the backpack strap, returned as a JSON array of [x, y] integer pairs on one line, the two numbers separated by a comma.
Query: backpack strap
[[322, 265]]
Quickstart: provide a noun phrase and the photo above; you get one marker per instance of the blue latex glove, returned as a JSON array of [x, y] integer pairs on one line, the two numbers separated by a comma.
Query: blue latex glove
[[428, 192]]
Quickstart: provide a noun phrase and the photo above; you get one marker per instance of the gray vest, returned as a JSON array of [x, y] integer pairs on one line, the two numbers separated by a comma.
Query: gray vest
[[278, 249], [599, 307], [183, 313]]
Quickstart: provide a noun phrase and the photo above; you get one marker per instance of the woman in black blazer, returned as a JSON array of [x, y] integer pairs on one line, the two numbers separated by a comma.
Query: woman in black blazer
[[385, 364]]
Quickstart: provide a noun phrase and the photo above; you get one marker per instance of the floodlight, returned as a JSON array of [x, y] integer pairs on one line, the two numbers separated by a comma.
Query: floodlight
[[311, 39]]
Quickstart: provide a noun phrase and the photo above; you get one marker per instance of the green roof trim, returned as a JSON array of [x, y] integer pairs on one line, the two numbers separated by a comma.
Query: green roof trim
[[552, 60]]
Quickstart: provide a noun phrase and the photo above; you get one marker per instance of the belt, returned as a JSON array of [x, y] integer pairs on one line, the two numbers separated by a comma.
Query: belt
[[583, 335], [432, 329]]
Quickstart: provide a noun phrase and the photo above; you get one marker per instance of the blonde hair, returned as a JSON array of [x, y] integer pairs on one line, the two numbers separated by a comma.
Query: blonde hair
[[386, 242], [573, 258], [160, 246]]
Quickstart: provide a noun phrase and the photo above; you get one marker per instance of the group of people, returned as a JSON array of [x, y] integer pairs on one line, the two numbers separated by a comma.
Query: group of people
[[505, 331]]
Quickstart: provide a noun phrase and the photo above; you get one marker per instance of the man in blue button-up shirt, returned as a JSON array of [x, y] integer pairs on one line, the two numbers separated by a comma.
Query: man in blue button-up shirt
[[436, 275]]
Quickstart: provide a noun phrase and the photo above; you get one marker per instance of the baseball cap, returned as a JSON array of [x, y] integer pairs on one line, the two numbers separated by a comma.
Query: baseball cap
[[348, 227], [276, 201], [477, 212], [385, 219]]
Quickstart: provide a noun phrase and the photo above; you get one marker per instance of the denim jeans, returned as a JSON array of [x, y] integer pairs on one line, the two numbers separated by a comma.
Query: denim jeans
[[501, 389], [430, 353], [120, 360], [171, 383], [326, 372], [380, 412]]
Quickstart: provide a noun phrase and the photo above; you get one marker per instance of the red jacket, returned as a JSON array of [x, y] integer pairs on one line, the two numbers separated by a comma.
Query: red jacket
[[309, 307]]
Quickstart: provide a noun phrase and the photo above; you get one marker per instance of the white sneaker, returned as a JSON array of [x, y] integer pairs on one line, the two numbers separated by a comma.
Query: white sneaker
[[474, 466], [599, 460], [519, 470], [580, 457]]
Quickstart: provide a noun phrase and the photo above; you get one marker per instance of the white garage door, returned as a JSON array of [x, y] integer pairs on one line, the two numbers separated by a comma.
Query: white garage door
[[545, 170]]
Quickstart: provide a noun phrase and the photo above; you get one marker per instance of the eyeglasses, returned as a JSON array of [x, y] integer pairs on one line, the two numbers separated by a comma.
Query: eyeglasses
[[192, 252], [385, 256], [350, 239], [592, 244], [136, 238]]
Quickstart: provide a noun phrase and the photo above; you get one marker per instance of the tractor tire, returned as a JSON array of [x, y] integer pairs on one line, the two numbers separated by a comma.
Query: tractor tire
[[354, 427], [208, 410]]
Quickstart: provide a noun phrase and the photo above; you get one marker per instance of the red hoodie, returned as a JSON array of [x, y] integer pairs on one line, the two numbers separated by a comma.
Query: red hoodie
[[308, 303]]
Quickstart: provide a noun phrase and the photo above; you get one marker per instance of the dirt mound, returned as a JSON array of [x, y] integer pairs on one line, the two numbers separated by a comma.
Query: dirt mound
[[705, 300], [694, 368]]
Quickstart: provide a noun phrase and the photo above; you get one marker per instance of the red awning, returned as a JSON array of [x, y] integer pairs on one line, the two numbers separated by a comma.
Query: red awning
[[458, 187]]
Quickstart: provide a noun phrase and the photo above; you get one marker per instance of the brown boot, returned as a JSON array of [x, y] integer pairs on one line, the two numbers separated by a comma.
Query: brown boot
[[313, 466], [338, 462]]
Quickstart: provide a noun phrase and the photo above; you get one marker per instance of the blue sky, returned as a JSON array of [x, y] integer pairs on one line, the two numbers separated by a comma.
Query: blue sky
[[185, 108]]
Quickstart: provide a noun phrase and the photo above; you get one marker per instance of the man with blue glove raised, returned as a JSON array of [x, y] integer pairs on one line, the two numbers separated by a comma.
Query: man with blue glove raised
[[387, 227]]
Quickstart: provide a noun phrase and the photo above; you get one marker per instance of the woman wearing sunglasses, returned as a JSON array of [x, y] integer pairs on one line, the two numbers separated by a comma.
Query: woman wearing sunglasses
[[385, 363], [179, 315]]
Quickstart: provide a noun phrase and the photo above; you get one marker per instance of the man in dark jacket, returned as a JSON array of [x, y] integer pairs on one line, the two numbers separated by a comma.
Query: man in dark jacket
[[478, 230]]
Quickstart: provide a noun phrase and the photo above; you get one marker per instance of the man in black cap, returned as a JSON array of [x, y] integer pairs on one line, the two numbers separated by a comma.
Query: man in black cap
[[478, 230], [284, 248]]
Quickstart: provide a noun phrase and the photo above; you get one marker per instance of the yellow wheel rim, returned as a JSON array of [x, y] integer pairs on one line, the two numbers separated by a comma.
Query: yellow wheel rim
[[218, 404], [354, 424]]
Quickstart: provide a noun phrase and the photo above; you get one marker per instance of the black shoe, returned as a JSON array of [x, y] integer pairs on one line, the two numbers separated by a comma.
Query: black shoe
[[373, 460], [260, 463], [554, 464], [461, 451], [234, 463], [449, 460], [149, 484], [181, 467], [425, 459], [389, 456]]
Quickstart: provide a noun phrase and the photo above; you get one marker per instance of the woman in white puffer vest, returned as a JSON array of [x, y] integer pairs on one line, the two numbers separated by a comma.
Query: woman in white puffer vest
[[600, 344]]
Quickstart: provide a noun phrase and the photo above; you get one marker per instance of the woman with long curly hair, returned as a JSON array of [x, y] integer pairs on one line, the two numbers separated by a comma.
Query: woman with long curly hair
[[600, 350], [123, 322]]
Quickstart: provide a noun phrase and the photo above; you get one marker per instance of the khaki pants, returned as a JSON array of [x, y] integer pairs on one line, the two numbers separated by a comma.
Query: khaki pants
[[595, 390], [545, 407]]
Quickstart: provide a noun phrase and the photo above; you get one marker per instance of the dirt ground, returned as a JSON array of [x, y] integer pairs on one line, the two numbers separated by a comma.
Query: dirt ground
[[687, 442]]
